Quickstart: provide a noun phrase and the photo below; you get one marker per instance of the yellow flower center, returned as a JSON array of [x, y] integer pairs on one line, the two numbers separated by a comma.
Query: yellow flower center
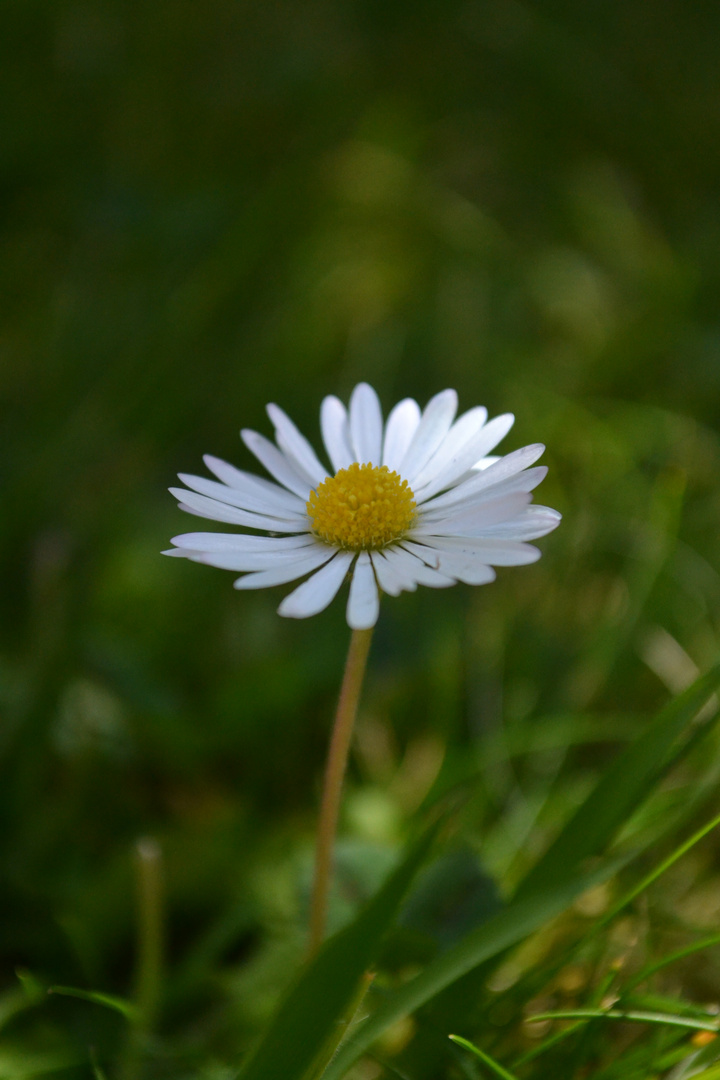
[[362, 508]]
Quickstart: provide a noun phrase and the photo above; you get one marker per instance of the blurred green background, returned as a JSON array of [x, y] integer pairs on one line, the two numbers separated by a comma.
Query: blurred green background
[[207, 207]]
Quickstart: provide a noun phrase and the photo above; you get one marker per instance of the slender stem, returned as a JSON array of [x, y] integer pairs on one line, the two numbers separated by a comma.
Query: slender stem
[[150, 929], [334, 776], [149, 965]]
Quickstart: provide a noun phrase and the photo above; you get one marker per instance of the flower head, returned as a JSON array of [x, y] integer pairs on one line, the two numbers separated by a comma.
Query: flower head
[[417, 500]]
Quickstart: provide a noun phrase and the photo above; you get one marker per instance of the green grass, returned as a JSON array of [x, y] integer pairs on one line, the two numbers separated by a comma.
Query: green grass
[[209, 207]]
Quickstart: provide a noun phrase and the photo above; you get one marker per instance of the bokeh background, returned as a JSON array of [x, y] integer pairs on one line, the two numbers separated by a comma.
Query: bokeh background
[[207, 207]]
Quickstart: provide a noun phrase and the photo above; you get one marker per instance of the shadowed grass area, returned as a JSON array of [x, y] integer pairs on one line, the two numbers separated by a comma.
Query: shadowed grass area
[[209, 207]]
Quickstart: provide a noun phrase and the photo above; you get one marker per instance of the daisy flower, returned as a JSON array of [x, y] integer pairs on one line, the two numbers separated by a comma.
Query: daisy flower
[[417, 500]]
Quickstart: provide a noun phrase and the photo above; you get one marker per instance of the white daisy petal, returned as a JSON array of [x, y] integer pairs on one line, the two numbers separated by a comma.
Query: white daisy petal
[[454, 564], [414, 572], [366, 424], [463, 458], [396, 568], [363, 604], [498, 471], [257, 504], [317, 592], [276, 497], [493, 433], [402, 423], [432, 429], [335, 432], [295, 445], [266, 579], [463, 432], [206, 541], [493, 552], [472, 522], [524, 481], [433, 579], [467, 571], [281, 573], [266, 560], [217, 511], [388, 579], [276, 463], [534, 522]]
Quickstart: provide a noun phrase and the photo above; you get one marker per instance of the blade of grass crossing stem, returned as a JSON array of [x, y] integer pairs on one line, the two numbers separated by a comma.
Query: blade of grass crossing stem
[[619, 792], [493, 1065], [510, 926], [326, 989]]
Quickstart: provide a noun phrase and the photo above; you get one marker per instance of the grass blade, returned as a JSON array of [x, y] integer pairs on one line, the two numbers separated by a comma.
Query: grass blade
[[640, 1016], [656, 872], [326, 989], [623, 787], [493, 1065], [110, 1001], [647, 972], [512, 925]]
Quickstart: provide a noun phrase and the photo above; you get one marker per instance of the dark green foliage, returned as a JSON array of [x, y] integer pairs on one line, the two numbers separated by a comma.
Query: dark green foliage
[[206, 207]]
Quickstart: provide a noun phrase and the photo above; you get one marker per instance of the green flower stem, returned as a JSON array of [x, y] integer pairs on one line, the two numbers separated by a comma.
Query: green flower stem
[[334, 775], [149, 962], [150, 930]]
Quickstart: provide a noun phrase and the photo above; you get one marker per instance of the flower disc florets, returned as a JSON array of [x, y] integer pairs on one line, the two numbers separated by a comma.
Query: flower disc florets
[[362, 508]]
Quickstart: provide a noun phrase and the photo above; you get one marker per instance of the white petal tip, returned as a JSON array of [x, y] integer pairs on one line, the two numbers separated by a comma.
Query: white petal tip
[[362, 624], [288, 611]]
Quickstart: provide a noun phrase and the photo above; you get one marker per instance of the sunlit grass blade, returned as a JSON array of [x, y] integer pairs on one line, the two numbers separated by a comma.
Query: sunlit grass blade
[[512, 925], [641, 1016], [708, 1074], [327, 988], [622, 788], [493, 1065]]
